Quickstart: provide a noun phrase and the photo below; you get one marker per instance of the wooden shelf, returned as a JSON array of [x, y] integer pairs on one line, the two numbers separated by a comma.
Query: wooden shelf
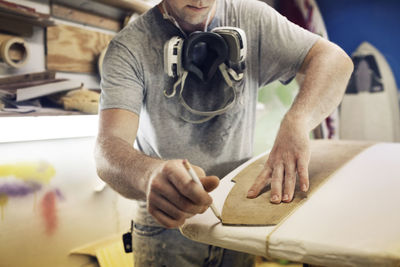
[[132, 5], [11, 11], [93, 7]]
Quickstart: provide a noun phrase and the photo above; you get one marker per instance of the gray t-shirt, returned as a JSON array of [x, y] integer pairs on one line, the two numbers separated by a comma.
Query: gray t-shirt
[[134, 79]]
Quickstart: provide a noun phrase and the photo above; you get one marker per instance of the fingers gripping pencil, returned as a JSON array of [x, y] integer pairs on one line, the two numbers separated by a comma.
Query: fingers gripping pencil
[[195, 178]]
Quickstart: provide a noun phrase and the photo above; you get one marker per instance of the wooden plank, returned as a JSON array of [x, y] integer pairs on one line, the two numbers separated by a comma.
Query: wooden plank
[[133, 5], [94, 8], [28, 77], [74, 49], [16, 27], [23, 12], [13, 86], [85, 18], [40, 21], [18, 9]]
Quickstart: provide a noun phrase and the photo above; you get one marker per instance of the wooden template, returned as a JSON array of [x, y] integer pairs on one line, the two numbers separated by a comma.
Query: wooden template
[[326, 158], [73, 49]]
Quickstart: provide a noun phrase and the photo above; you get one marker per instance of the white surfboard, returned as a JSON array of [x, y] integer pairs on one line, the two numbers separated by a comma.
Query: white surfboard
[[370, 109]]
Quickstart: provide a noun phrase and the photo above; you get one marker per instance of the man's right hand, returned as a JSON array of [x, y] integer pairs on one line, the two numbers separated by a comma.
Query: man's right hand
[[172, 195]]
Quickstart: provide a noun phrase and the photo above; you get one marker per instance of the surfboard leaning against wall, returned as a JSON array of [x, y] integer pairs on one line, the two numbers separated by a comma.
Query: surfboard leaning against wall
[[370, 108]]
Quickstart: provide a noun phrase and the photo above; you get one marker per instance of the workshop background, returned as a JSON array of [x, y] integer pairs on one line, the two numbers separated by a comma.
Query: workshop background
[[54, 210]]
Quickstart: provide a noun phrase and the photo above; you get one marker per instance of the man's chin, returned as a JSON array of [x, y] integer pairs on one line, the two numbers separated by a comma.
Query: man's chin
[[195, 22]]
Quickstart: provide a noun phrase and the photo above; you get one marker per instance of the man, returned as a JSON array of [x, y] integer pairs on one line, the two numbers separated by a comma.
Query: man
[[151, 171]]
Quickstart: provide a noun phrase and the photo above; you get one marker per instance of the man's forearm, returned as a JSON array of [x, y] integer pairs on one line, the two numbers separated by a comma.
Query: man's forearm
[[326, 78], [125, 169]]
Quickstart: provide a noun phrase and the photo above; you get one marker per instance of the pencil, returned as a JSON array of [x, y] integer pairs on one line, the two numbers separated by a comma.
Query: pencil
[[195, 178]]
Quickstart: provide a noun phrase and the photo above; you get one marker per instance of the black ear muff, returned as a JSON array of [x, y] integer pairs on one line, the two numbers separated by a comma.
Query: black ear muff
[[203, 52]]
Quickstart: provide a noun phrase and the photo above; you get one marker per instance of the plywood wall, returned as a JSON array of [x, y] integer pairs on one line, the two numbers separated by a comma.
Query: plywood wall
[[73, 49]]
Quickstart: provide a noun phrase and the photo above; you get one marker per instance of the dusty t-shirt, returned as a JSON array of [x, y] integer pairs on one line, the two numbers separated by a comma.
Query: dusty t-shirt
[[134, 79]]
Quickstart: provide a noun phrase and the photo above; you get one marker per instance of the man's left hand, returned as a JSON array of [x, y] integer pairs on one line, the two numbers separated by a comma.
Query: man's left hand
[[289, 156]]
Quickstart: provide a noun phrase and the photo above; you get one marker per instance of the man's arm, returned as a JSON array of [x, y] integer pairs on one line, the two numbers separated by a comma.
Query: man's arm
[[327, 70], [171, 194]]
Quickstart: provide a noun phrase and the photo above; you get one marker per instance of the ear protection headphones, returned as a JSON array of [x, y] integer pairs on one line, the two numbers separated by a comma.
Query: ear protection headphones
[[202, 54], [237, 45], [173, 57], [180, 54]]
